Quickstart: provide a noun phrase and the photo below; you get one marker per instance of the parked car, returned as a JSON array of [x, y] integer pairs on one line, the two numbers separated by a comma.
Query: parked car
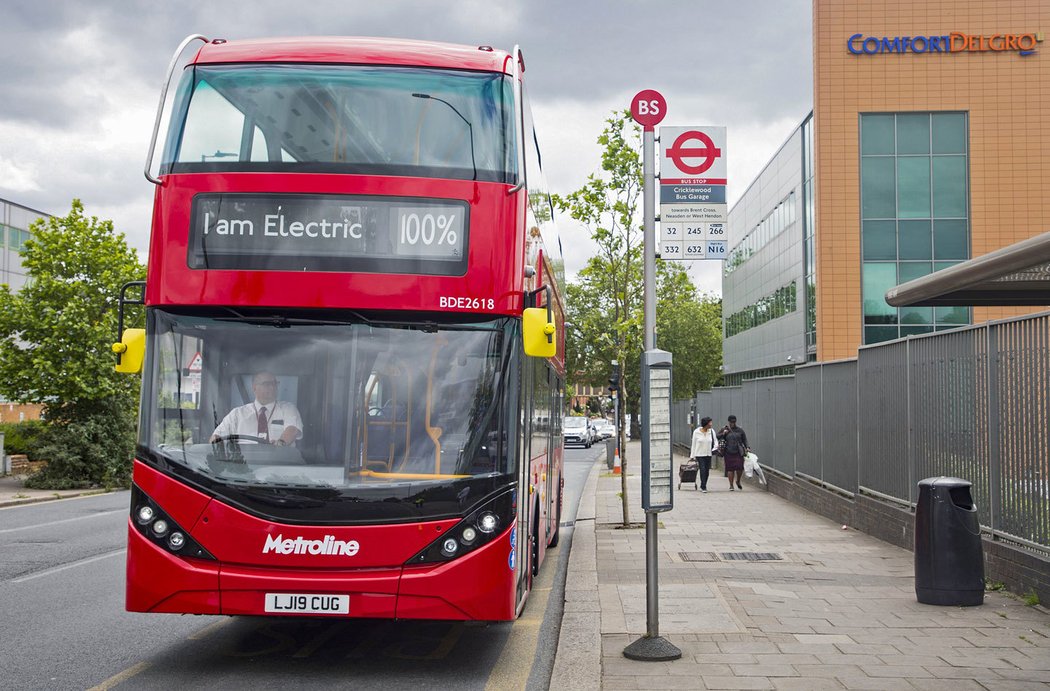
[[604, 428], [577, 431]]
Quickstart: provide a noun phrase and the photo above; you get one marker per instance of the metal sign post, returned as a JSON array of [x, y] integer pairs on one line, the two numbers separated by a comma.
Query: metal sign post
[[648, 109]]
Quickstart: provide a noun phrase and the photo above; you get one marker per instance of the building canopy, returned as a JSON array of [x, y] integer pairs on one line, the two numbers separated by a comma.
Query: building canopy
[[1018, 274]]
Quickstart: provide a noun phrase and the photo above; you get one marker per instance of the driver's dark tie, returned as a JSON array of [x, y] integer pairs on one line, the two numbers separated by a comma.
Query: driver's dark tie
[[263, 427]]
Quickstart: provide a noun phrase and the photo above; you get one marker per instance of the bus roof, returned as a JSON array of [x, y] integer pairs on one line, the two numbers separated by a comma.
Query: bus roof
[[356, 50]]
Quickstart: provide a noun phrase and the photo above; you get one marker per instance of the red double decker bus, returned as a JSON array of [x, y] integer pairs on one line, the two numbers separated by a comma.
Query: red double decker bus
[[353, 356]]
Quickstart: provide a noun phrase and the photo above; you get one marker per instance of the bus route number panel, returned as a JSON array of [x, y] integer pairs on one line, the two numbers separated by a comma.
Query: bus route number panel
[[308, 232], [692, 240]]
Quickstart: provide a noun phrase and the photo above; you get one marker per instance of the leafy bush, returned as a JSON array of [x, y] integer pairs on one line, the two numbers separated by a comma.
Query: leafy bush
[[56, 334], [92, 448], [19, 437]]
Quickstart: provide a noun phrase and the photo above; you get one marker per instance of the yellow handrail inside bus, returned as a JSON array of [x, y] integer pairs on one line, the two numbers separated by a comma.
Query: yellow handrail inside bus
[[393, 424], [409, 476], [434, 432]]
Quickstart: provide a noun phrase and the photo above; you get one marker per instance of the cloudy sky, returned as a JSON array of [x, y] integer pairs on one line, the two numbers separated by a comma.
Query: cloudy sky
[[80, 81]]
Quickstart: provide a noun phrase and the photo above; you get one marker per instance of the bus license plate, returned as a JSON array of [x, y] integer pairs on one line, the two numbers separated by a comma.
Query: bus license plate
[[300, 603]]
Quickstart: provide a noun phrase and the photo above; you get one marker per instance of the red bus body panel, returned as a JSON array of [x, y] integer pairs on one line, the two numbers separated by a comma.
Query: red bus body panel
[[379, 584], [496, 262], [356, 51]]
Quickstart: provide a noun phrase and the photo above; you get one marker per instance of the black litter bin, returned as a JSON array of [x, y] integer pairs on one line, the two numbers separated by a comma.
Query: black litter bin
[[610, 452], [949, 557]]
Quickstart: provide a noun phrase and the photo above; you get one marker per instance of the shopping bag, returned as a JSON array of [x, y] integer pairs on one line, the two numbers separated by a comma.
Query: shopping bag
[[750, 463], [752, 468]]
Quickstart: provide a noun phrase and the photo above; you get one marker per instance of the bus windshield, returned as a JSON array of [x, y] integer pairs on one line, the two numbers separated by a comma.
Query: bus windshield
[[343, 119], [357, 409]]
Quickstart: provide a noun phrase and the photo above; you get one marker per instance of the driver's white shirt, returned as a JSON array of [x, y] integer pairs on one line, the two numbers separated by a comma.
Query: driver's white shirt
[[244, 420]]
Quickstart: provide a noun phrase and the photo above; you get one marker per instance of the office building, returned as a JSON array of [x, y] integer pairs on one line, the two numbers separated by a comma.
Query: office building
[[925, 148]]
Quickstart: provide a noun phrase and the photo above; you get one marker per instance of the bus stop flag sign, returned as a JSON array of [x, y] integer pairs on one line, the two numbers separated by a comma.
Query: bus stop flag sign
[[693, 176], [648, 108]]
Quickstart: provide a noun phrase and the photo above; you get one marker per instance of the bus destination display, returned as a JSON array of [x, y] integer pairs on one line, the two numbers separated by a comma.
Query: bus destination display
[[329, 233]]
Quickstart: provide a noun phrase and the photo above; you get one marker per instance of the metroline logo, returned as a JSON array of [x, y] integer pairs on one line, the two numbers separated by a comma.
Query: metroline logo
[[326, 545], [954, 42]]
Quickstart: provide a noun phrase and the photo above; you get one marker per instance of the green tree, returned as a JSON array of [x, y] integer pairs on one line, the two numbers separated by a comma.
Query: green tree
[[604, 303], [55, 337], [689, 326]]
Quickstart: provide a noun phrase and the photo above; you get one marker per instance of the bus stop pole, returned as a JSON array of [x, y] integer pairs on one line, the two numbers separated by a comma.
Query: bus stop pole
[[652, 584], [651, 647]]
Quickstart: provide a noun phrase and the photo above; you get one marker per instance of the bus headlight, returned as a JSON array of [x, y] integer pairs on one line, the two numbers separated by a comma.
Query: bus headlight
[[150, 520], [480, 527], [176, 540], [160, 527], [488, 522], [145, 514], [449, 547]]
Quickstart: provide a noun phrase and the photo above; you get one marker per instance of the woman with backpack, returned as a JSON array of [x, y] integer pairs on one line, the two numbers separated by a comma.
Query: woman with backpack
[[733, 440]]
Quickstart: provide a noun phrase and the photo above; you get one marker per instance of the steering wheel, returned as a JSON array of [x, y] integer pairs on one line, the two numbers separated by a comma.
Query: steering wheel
[[239, 438]]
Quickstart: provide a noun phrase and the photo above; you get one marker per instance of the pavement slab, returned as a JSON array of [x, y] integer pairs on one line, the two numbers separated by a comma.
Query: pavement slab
[[835, 609]]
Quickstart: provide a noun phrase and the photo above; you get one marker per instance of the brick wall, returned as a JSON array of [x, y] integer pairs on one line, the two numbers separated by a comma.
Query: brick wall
[[21, 465], [19, 412]]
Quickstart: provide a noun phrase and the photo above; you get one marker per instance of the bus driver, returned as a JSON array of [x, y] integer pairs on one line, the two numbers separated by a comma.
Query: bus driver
[[266, 418]]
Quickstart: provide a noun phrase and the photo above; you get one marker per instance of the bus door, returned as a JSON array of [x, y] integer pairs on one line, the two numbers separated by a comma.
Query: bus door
[[523, 528], [544, 420], [554, 454]]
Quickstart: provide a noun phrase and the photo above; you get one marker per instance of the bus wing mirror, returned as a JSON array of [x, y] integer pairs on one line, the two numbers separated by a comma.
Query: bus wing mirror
[[538, 332], [130, 351]]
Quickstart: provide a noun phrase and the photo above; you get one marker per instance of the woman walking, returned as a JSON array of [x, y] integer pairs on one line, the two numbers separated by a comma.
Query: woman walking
[[735, 440], [703, 443]]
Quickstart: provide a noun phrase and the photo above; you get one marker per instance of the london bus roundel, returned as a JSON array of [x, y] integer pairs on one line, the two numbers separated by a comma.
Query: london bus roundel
[[339, 417]]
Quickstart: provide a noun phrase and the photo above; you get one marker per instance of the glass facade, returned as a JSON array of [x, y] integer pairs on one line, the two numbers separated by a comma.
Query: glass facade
[[762, 281], [13, 238], [809, 229], [914, 215], [782, 216], [15, 220], [781, 302], [738, 379]]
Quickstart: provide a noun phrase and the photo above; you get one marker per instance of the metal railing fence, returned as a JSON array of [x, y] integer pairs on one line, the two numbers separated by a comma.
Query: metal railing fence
[[973, 403]]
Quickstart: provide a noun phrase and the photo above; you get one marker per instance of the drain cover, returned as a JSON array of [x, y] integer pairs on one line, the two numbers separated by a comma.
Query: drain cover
[[698, 556], [750, 556]]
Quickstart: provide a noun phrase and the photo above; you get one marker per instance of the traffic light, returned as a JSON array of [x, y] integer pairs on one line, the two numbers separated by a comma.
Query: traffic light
[[614, 380]]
